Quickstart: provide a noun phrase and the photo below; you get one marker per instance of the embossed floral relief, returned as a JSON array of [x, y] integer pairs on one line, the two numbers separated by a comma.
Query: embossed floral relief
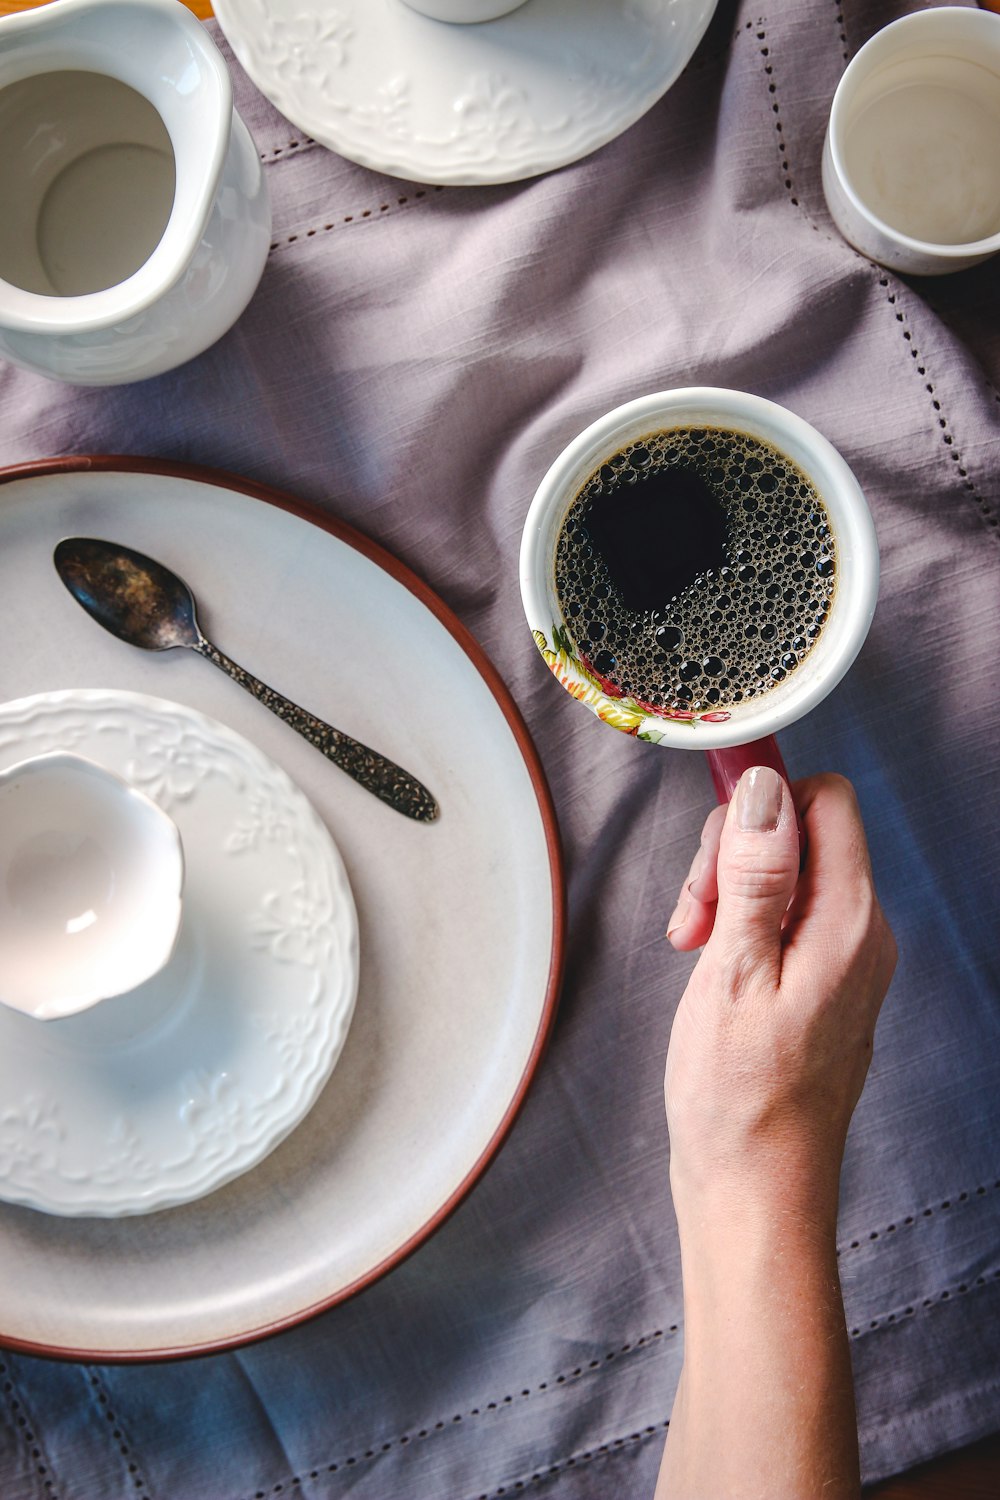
[[306, 47], [293, 926], [259, 822], [31, 1136]]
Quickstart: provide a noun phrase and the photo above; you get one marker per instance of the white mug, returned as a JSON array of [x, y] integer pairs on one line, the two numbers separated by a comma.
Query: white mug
[[911, 168], [727, 733]]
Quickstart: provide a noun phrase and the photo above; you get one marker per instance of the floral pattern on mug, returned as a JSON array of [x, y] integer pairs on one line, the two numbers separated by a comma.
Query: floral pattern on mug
[[604, 698]]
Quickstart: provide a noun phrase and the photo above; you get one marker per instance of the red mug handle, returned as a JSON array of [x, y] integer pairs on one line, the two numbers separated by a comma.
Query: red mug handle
[[728, 765]]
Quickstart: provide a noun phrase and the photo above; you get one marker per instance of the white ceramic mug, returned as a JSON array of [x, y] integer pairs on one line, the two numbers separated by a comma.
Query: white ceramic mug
[[743, 733], [911, 166], [464, 11], [135, 222]]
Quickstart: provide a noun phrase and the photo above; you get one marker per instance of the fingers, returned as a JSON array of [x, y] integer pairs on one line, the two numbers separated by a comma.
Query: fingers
[[838, 848], [757, 871], [691, 924], [835, 884], [835, 889], [835, 903]]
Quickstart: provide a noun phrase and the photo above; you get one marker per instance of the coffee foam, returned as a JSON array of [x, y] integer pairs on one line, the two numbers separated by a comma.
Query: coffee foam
[[736, 631]]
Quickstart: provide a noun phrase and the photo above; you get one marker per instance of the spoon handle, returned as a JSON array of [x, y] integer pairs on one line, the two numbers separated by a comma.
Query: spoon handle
[[374, 772]]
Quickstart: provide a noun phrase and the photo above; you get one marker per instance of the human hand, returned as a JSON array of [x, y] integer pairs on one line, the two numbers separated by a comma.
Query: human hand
[[768, 1055], [773, 1036]]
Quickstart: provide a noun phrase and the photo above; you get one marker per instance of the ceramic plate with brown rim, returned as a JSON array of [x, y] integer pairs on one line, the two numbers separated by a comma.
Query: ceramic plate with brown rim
[[460, 920]]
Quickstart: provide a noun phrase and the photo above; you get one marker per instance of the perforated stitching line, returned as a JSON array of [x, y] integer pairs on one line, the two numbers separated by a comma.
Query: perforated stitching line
[[963, 1289], [910, 1220], [576, 1460], [356, 218], [374, 1450], [279, 151], [845, 45], [43, 1465], [117, 1433], [772, 88], [985, 509]]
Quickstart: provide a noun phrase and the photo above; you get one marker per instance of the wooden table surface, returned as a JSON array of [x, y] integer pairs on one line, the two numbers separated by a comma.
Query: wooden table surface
[[973, 1473]]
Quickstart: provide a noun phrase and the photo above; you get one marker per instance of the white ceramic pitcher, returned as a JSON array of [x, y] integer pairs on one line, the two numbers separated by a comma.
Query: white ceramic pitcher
[[135, 221]]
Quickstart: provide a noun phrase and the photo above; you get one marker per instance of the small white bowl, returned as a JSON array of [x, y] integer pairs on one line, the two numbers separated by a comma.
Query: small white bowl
[[91, 875], [911, 170]]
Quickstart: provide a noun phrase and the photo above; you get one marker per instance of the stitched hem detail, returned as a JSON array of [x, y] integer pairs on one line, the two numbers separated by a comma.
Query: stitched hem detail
[[26, 1431], [375, 1450], [360, 217], [288, 149], [910, 1220], [760, 32], [612, 1446], [139, 1485], [901, 1315], [893, 290], [574, 1461], [845, 46]]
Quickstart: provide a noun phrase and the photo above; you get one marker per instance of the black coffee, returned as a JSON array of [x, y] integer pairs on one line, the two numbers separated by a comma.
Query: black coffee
[[695, 570]]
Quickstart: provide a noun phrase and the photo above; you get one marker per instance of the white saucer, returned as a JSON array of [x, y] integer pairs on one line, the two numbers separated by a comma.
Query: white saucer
[[157, 1097], [494, 102]]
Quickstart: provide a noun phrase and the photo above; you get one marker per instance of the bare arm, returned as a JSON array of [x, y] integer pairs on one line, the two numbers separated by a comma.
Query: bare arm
[[767, 1059]]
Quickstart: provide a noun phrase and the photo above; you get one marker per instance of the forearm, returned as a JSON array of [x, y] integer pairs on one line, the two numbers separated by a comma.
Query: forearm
[[769, 1049], [765, 1405]]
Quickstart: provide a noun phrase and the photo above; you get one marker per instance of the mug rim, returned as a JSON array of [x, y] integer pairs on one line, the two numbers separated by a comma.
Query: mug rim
[[935, 20], [854, 534]]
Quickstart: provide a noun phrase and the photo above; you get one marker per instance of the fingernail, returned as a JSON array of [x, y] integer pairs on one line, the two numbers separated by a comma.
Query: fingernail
[[679, 917], [758, 799]]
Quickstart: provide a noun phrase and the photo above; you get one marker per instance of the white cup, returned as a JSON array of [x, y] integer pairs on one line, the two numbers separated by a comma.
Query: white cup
[[911, 164], [744, 724], [464, 10], [91, 882]]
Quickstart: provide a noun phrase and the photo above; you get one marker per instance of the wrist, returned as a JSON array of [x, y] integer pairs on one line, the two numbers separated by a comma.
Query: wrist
[[789, 1193]]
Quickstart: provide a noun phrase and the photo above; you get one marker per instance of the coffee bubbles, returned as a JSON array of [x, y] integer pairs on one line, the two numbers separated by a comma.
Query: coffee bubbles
[[695, 570]]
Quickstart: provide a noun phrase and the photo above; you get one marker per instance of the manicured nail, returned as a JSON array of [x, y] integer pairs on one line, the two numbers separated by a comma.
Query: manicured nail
[[758, 799]]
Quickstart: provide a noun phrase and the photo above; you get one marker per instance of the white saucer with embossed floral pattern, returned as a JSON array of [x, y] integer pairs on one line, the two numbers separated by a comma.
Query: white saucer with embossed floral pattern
[[158, 1096], [490, 102]]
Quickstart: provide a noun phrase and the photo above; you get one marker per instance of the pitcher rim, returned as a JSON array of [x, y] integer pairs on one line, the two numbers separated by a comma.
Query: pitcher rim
[[40, 312]]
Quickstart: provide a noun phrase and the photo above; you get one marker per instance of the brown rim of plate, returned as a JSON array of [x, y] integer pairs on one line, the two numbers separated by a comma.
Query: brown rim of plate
[[306, 511]]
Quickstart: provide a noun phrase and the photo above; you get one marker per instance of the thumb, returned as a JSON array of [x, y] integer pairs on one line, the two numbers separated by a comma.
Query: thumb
[[758, 870]]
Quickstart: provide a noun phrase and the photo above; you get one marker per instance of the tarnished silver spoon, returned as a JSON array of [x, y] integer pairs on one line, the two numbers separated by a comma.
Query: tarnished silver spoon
[[142, 602]]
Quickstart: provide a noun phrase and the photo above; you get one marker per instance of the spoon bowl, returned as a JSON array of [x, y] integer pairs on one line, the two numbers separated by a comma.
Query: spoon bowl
[[131, 595]]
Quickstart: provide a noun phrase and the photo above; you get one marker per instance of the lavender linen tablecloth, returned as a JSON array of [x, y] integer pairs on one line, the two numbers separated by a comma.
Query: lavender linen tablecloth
[[413, 360]]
